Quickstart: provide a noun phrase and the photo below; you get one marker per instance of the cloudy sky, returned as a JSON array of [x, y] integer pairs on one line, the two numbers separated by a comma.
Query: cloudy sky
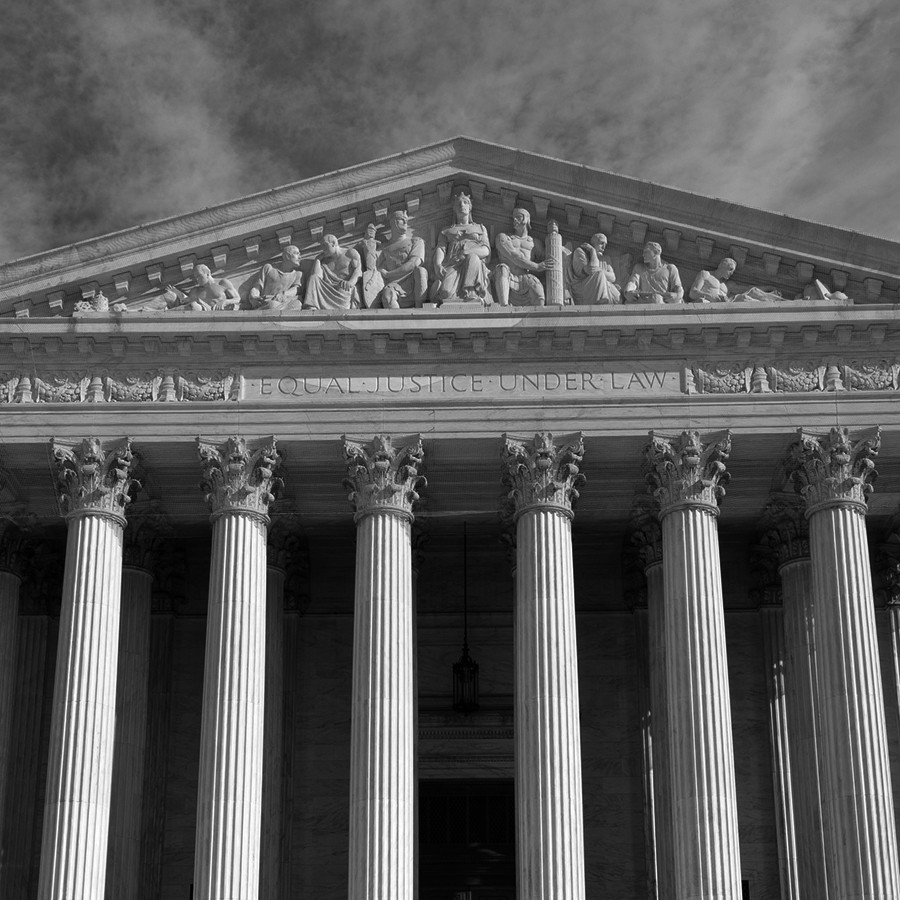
[[117, 112]]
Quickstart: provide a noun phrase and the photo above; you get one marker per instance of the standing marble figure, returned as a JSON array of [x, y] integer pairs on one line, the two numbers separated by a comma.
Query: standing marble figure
[[516, 276], [332, 284], [460, 258], [654, 281]]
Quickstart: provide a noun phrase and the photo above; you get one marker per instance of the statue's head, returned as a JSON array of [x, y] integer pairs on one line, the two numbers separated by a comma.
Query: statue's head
[[522, 217], [727, 267], [599, 242], [462, 204], [652, 253], [400, 220], [291, 255], [331, 244], [202, 274]]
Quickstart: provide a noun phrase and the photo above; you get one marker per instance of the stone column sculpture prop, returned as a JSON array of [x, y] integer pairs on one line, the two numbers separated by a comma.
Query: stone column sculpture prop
[[541, 479], [383, 477], [554, 250], [239, 478], [686, 477], [833, 473], [787, 536], [647, 538], [95, 486]]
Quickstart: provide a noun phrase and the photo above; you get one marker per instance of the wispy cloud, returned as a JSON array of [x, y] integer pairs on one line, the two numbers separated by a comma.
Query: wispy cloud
[[130, 110]]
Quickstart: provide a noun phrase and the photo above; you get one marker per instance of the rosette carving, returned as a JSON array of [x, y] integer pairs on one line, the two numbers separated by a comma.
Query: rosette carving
[[239, 475], [684, 471], [541, 474], [834, 469], [383, 474], [93, 477]]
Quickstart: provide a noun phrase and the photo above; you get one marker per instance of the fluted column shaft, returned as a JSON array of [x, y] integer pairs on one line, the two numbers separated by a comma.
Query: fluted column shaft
[[238, 481], [123, 866], [659, 725], [273, 748], [701, 761], [381, 742], [82, 733], [801, 692], [550, 828], [642, 659], [772, 620], [857, 804], [229, 803], [9, 627]]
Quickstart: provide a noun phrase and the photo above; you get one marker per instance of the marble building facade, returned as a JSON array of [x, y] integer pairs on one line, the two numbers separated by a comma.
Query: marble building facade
[[240, 449]]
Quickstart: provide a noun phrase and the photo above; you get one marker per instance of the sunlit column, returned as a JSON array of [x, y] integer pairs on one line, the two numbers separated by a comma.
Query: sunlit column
[[541, 479], [382, 476], [833, 473], [94, 484], [238, 479], [686, 477]]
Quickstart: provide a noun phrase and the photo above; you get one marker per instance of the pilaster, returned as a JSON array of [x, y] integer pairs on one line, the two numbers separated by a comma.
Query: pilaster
[[833, 474], [95, 485], [383, 477], [239, 478], [686, 475], [540, 479]]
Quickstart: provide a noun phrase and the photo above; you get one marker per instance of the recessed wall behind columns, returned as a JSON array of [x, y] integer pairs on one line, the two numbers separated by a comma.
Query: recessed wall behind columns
[[891, 702]]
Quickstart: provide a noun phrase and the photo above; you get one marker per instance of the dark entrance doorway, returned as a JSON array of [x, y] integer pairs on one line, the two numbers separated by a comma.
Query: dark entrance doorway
[[467, 840]]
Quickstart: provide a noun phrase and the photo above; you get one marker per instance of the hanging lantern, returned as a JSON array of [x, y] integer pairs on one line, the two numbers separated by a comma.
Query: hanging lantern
[[465, 669]]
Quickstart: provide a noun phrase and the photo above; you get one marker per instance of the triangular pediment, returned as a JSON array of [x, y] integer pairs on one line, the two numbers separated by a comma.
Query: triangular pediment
[[235, 239]]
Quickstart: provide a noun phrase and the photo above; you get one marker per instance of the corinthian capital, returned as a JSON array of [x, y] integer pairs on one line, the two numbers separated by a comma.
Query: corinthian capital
[[785, 531], [239, 476], [540, 474], [684, 471], [145, 532], [646, 537], [93, 477], [834, 469], [383, 474], [13, 551]]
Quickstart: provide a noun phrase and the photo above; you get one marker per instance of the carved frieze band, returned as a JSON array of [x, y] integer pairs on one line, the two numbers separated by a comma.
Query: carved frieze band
[[541, 473], [834, 469], [748, 378], [383, 474], [685, 470], [239, 476], [94, 477], [125, 387]]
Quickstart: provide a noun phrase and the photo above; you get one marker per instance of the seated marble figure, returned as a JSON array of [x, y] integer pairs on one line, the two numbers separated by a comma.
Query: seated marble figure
[[332, 282], [277, 286], [711, 287], [460, 258], [653, 281], [515, 277], [400, 266], [207, 293], [591, 280]]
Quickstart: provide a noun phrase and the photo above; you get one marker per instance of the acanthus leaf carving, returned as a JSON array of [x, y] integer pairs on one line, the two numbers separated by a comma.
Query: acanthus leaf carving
[[147, 527], [541, 473], [93, 477], [687, 471], [834, 469], [383, 474], [239, 476], [784, 528], [646, 535]]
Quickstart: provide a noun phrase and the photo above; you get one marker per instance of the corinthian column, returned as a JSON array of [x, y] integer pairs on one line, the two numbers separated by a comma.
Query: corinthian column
[[647, 538], [788, 537], [541, 480], [833, 474], [238, 479], [686, 476], [382, 477], [94, 484]]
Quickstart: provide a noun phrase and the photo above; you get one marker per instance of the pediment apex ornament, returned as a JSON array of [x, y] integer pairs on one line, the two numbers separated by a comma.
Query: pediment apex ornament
[[687, 471], [834, 469], [785, 529], [541, 473], [240, 476], [94, 477], [383, 474]]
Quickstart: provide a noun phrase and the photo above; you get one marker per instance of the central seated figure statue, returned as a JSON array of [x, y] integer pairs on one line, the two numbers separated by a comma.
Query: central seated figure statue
[[460, 259], [332, 283]]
